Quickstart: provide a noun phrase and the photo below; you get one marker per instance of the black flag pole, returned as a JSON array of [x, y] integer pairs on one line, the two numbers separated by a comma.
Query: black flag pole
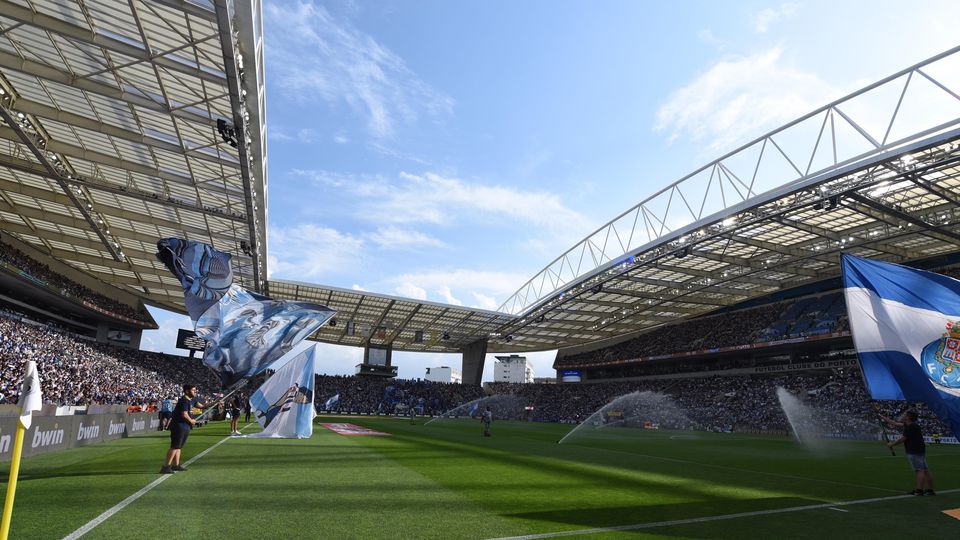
[[230, 391]]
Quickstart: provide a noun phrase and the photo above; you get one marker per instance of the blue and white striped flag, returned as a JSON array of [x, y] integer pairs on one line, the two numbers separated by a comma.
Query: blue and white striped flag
[[331, 403], [906, 329], [284, 404]]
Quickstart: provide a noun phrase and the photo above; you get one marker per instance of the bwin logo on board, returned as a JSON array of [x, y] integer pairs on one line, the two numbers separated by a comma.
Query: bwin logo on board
[[116, 429], [88, 432], [138, 425], [51, 437]]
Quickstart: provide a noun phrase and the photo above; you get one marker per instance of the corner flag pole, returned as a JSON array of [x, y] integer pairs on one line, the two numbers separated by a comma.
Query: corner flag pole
[[12, 483], [30, 400]]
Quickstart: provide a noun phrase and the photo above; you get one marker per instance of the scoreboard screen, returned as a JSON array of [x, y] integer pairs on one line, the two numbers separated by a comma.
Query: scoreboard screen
[[189, 340]]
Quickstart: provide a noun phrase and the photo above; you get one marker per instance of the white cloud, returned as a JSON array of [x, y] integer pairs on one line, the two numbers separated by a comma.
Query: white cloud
[[447, 295], [450, 285], [410, 290], [302, 136], [393, 237], [311, 251], [484, 301], [763, 19], [357, 288], [740, 97], [321, 57], [437, 199]]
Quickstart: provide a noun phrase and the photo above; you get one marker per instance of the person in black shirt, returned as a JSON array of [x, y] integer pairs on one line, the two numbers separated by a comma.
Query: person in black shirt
[[916, 449], [180, 428], [246, 410], [235, 414]]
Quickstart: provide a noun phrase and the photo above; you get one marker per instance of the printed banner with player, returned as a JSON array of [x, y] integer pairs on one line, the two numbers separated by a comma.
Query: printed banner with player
[[245, 332], [906, 330], [284, 404]]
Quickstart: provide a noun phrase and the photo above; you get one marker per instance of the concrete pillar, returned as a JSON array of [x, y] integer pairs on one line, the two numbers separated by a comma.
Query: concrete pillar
[[474, 355]]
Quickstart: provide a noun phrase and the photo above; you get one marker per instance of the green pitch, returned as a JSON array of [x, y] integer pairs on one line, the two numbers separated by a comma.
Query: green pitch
[[446, 481]]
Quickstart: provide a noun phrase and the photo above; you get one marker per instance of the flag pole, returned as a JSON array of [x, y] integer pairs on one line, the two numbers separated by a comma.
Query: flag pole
[[12, 482], [230, 391]]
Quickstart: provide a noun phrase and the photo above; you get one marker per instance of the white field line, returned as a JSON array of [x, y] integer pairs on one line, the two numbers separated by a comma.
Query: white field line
[[143, 491], [688, 521]]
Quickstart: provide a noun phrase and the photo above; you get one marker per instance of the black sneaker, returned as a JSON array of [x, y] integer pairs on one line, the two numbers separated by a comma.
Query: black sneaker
[[916, 493], [178, 468], [930, 493], [166, 469]]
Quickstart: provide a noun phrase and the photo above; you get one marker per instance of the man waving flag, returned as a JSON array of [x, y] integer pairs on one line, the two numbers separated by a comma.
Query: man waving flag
[[906, 330]]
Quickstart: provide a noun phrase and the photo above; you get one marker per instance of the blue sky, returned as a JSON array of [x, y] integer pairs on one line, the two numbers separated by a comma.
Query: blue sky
[[449, 150]]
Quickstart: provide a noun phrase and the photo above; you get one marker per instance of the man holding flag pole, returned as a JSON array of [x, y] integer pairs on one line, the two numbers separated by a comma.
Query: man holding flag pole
[[30, 400], [906, 330]]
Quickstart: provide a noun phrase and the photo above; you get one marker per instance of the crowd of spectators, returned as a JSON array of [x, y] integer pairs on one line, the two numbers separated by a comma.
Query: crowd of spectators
[[739, 403], [389, 396], [67, 287], [77, 371], [824, 314], [728, 329]]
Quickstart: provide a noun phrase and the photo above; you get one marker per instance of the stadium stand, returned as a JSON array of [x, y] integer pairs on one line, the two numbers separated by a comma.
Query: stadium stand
[[77, 371], [385, 396], [772, 322], [746, 403], [22, 265]]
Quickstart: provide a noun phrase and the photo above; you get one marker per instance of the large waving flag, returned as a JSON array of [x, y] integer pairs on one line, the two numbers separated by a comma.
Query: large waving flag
[[284, 404], [906, 329], [245, 333], [204, 273]]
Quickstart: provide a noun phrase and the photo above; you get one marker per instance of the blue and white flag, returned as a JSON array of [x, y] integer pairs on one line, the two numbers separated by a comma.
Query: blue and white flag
[[204, 273], [906, 329], [245, 333], [331, 403], [284, 404]]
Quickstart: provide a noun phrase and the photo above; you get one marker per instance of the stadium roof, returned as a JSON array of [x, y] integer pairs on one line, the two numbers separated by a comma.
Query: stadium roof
[[876, 173], [111, 141], [866, 175], [365, 318], [110, 136]]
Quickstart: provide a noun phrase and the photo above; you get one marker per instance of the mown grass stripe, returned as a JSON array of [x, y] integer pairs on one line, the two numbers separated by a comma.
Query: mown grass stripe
[[688, 521], [90, 525]]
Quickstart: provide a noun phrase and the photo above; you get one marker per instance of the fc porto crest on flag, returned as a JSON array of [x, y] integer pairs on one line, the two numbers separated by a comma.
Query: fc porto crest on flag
[[941, 358]]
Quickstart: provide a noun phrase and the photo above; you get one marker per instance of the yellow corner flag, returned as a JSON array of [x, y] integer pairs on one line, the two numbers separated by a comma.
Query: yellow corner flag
[[30, 400]]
